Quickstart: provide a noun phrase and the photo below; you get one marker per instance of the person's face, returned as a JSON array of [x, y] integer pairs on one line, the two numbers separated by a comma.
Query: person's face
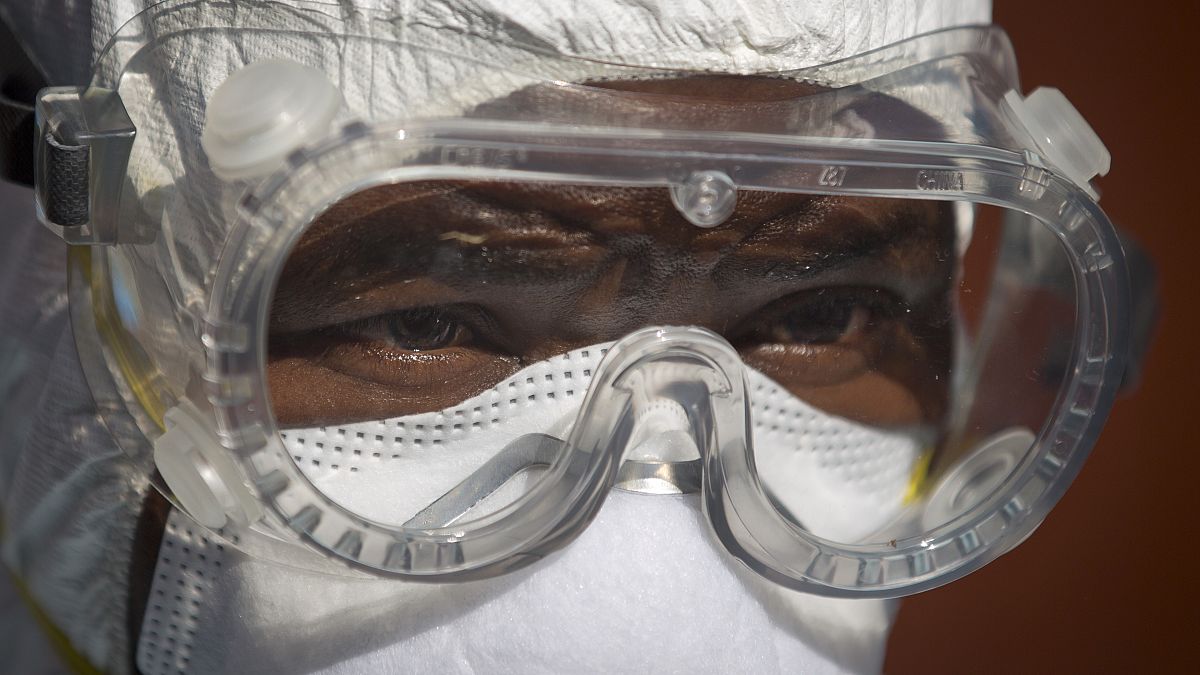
[[411, 298]]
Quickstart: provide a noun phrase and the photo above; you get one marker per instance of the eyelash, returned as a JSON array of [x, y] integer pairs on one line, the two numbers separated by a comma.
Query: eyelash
[[819, 317], [452, 325], [867, 308]]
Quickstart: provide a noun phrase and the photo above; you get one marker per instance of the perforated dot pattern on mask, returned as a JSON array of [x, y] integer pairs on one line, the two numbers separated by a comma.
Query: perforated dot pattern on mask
[[188, 561], [856, 454], [838, 476], [557, 382]]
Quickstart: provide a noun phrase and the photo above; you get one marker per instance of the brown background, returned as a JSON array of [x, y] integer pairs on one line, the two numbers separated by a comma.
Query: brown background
[[1111, 580]]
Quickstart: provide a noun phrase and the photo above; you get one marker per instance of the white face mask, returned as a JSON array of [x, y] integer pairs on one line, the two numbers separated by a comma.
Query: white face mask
[[842, 480], [643, 586], [614, 599]]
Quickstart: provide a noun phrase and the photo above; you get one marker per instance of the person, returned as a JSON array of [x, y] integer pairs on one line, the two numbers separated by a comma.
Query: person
[[560, 339]]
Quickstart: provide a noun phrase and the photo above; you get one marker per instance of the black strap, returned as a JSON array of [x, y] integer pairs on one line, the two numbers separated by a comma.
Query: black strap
[[20, 80], [66, 182], [1144, 315]]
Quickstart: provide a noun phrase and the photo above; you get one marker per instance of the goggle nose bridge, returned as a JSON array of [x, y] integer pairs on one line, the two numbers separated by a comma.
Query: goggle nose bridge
[[675, 379]]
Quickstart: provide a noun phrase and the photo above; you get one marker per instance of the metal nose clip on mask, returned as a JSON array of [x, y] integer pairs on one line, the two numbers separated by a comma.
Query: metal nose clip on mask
[[870, 311]]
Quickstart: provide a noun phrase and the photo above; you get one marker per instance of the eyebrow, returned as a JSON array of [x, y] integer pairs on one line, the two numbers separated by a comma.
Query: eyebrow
[[860, 236], [477, 216]]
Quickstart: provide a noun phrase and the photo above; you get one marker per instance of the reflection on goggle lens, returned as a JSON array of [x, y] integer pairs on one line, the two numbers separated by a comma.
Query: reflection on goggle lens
[[410, 314], [408, 299]]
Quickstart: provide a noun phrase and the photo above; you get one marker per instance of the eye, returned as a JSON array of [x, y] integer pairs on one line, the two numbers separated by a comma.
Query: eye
[[825, 321], [839, 349], [397, 363], [422, 329], [823, 317], [419, 329]]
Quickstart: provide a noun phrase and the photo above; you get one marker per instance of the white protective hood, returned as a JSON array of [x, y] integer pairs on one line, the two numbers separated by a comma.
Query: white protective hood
[[644, 587]]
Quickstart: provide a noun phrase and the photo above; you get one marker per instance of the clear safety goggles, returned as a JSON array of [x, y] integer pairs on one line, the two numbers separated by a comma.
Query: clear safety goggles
[[870, 311]]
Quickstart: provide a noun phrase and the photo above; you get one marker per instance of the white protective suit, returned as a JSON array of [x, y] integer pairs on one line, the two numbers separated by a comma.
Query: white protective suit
[[643, 588]]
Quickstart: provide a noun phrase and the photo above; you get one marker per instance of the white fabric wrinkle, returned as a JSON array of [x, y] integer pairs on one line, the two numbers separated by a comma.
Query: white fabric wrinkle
[[71, 509], [631, 587]]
